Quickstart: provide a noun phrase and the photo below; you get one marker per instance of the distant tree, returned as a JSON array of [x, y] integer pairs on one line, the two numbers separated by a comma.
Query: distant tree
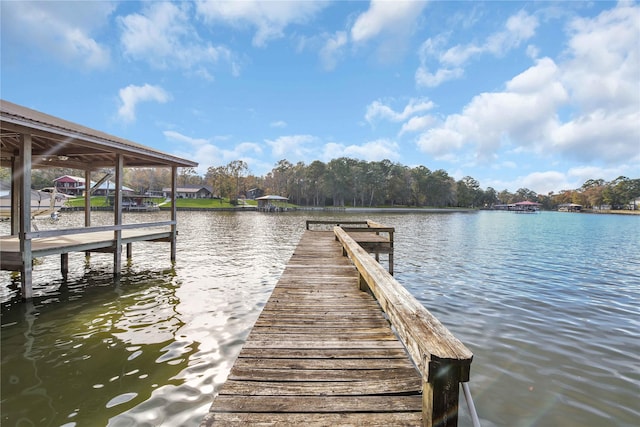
[[419, 185], [489, 197], [236, 169], [398, 185], [441, 189], [468, 193], [280, 178], [188, 176], [315, 178], [592, 191], [523, 194], [505, 197], [347, 181], [143, 180], [338, 178]]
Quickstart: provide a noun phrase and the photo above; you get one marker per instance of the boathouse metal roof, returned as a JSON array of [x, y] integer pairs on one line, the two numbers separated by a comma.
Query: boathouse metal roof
[[61, 143]]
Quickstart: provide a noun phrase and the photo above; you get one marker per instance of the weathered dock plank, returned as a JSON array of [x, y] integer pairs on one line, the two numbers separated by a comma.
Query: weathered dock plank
[[321, 353]]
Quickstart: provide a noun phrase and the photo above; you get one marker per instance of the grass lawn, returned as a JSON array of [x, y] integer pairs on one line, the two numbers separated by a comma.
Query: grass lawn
[[201, 203], [101, 201], [78, 202]]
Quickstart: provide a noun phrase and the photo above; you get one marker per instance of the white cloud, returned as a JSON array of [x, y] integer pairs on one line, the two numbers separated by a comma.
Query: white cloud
[[417, 124], [524, 114], [605, 60], [450, 62], [269, 18], [544, 182], [132, 95], [581, 174], [163, 36], [278, 124], [178, 137], [333, 49], [62, 30], [584, 109], [607, 136], [378, 110], [518, 29], [390, 17], [601, 74], [426, 79], [293, 146], [539, 182], [371, 151], [390, 24], [209, 154]]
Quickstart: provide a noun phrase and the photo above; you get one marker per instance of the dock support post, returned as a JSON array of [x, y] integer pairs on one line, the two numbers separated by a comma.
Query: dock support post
[[117, 208], [64, 265], [129, 251], [391, 252], [24, 176], [440, 393], [174, 211]]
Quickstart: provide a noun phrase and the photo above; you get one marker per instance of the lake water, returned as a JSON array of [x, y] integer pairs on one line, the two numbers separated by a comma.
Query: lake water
[[548, 303]]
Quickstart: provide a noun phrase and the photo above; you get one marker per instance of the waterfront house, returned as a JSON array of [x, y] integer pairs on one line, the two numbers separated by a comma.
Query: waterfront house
[[254, 193], [75, 186], [190, 192]]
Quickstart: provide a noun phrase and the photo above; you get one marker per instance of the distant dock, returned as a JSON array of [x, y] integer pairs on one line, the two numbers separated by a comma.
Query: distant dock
[[340, 342]]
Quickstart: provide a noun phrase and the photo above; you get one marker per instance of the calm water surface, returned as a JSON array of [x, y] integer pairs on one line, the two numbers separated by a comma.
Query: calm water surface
[[548, 303]]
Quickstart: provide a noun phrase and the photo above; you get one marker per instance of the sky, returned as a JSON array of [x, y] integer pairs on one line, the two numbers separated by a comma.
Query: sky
[[537, 95]]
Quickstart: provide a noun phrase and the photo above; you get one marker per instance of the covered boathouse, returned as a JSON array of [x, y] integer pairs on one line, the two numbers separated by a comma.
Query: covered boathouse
[[30, 139]]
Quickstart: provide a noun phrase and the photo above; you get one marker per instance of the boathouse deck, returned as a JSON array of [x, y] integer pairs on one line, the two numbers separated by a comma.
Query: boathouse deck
[[338, 343], [93, 239]]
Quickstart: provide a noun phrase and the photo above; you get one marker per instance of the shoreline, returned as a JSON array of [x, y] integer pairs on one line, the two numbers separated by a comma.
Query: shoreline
[[353, 210]]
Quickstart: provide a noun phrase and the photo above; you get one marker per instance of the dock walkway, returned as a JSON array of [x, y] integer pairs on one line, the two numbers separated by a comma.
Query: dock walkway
[[321, 352]]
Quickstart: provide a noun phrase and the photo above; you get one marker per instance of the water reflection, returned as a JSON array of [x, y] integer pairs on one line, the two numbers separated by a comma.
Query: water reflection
[[88, 361]]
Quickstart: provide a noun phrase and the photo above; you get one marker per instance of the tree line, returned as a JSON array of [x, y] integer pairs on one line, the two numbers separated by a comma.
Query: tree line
[[357, 183]]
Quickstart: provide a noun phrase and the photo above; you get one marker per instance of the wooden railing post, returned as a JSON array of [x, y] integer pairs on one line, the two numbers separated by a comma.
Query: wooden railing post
[[440, 393]]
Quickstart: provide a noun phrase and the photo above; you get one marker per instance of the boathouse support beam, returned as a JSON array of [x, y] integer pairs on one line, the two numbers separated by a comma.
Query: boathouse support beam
[[87, 198], [117, 209], [441, 358], [24, 175], [16, 185]]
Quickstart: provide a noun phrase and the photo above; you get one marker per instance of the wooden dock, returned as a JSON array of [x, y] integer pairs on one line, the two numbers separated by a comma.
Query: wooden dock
[[323, 352]]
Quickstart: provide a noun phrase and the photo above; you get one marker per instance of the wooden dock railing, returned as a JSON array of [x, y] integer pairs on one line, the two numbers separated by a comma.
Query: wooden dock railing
[[375, 238], [444, 362]]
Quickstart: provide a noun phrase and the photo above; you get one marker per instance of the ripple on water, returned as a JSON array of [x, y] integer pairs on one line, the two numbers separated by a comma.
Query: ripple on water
[[549, 305]]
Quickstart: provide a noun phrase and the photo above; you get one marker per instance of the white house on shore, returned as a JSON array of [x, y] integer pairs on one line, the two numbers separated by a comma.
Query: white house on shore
[[190, 192]]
